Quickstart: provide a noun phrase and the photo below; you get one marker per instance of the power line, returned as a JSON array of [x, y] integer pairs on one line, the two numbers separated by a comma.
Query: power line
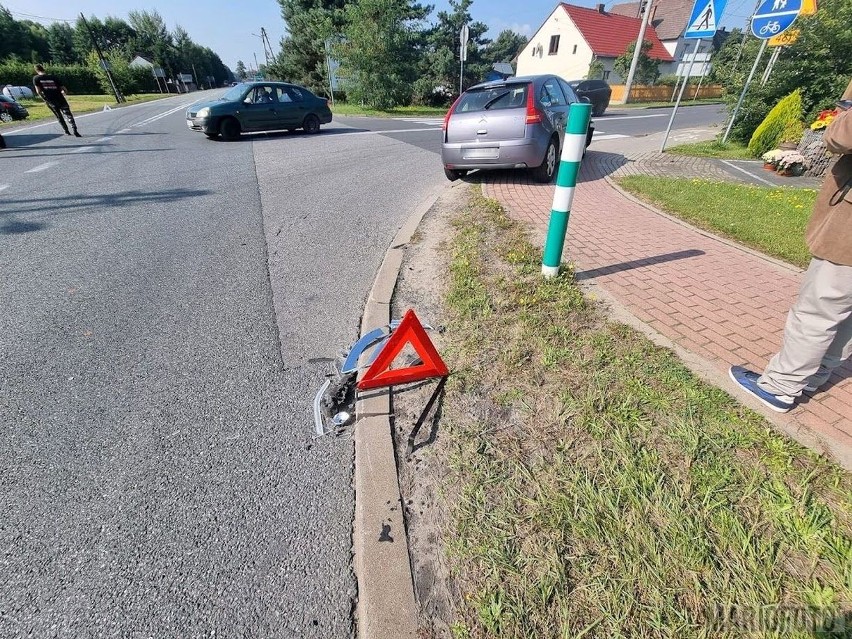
[[30, 15]]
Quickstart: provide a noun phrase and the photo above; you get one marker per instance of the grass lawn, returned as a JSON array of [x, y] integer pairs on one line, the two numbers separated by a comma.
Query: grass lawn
[[684, 103], [597, 488], [80, 104], [343, 108], [713, 149], [771, 220]]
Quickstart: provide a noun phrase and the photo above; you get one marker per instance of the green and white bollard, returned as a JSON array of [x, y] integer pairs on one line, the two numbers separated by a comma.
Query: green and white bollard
[[576, 130]]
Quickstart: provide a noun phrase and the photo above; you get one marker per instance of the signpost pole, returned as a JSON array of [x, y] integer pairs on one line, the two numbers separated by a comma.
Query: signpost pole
[[573, 146], [464, 36], [772, 59], [680, 95], [745, 88]]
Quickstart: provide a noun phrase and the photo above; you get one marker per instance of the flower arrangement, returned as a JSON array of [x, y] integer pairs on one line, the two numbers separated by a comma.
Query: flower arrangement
[[824, 119], [771, 157], [791, 163]]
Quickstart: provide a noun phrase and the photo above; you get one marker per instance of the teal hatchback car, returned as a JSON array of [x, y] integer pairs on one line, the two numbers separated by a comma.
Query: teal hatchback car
[[259, 106]]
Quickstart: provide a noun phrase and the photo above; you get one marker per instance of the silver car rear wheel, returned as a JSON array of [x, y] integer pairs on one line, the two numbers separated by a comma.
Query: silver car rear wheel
[[547, 171]]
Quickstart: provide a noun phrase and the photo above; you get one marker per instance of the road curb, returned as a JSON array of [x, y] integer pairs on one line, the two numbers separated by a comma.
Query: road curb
[[386, 605]]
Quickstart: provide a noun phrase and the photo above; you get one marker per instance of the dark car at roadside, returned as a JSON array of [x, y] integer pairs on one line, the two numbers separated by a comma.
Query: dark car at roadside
[[259, 106], [12, 110], [597, 91], [516, 123]]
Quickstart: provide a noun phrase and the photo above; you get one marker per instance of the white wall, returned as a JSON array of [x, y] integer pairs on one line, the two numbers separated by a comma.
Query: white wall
[[567, 63]]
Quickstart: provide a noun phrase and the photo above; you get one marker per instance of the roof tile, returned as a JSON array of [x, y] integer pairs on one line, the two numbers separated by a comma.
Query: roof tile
[[670, 18], [609, 34]]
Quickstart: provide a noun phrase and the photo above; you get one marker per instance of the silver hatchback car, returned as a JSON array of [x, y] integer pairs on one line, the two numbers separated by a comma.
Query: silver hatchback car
[[507, 124]]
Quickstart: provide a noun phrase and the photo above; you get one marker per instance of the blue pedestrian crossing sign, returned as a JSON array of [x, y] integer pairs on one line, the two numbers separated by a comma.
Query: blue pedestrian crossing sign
[[705, 18], [774, 16]]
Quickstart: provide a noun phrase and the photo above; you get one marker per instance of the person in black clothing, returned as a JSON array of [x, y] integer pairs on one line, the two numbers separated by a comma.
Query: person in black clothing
[[53, 93]]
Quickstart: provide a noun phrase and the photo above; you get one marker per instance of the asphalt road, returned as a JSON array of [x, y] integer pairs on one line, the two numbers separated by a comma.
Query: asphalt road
[[167, 307]]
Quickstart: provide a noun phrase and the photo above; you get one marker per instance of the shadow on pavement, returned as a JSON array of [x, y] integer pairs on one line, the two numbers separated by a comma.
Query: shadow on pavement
[[57, 205], [18, 140], [594, 166], [93, 152], [633, 264], [840, 374], [274, 135]]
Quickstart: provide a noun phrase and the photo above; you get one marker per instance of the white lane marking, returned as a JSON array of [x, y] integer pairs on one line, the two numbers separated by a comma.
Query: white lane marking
[[752, 175], [88, 115], [105, 139], [392, 131], [3, 187], [633, 117], [83, 149], [125, 131], [435, 121], [160, 116], [42, 167], [608, 136]]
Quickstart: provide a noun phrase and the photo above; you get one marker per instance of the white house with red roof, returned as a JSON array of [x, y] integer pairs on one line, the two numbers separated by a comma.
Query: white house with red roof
[[573, 37]]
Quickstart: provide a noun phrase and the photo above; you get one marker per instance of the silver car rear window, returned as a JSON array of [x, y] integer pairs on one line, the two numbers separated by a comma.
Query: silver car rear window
[[511, 96]]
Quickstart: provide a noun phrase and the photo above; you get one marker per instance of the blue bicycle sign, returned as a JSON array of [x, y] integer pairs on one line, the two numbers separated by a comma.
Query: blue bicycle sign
[[774, 16]]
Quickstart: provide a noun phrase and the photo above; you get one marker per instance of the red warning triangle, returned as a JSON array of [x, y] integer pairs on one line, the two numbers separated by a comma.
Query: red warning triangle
[[410, 331]]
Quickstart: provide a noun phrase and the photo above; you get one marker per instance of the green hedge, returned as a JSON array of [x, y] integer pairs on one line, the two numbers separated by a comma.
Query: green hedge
[[77, 79], [782, 123]]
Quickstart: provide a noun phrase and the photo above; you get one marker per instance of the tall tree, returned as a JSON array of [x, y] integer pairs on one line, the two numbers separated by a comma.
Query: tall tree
[[60, 41], [647, 69], [153, 39], [240, 71], [378, 53], [505, 47], [441, 63], [310, 24], [15, 37], [39, 48]]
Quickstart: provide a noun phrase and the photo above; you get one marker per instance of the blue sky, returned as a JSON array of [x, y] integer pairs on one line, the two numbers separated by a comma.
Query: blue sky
[[227, 26]]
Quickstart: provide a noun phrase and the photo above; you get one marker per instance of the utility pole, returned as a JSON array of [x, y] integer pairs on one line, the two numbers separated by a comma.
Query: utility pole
[[104, 65], [270, 57], [647, 9]]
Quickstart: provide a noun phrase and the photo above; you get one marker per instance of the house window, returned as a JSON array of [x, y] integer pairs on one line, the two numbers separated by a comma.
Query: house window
[[575, 49], [554, 45]]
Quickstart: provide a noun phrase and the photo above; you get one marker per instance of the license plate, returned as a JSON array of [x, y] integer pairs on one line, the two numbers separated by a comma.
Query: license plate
[[189, 123], [488, 153]]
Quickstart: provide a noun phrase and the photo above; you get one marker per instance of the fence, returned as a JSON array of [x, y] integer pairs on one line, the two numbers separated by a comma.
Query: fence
[[663, 93]]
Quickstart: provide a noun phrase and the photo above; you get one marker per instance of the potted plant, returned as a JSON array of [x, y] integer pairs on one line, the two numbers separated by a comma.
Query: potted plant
[[770, 159], [791, 163]]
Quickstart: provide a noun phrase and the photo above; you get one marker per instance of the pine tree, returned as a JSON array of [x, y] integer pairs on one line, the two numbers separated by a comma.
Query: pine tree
[[379, 52], [310, 24]]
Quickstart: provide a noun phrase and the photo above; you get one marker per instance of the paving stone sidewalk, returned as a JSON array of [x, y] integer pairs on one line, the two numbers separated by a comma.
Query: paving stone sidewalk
[[723, 303]]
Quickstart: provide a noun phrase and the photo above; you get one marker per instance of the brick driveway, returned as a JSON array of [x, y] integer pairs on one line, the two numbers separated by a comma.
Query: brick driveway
[[722, 303]]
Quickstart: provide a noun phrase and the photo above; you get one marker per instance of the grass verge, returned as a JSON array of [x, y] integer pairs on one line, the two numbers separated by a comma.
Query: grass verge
[[713, 149], [80, 104], [598, 488], [651, 105], [342, 108], [771, 220]]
